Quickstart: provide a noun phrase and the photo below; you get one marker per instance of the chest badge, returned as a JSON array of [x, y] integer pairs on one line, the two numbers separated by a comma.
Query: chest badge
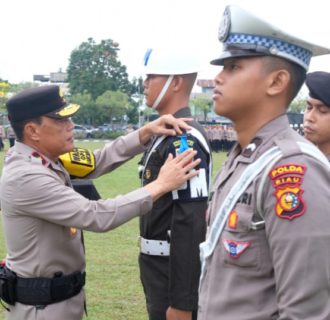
[[232, 220], [235, 248], [147, 174], [73, 232]]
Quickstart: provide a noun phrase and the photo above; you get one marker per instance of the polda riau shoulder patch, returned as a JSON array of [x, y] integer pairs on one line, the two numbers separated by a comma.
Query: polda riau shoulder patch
[[287, 180]]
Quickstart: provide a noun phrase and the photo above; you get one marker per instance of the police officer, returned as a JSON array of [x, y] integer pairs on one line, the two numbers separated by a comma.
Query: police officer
[[317, 113], [43, 215], [172, 231], [266, 254]]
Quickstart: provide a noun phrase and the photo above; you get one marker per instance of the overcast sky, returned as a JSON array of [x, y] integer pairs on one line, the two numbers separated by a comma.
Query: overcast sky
[[38, 36]]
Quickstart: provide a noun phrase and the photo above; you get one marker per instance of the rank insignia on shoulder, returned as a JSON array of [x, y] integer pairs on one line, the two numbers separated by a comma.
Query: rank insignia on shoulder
[[177, 143], [235, 248], [287, 180], [38, 158]]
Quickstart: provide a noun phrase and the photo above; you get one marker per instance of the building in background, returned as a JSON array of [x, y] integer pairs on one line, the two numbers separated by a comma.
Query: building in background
[[59, 78]]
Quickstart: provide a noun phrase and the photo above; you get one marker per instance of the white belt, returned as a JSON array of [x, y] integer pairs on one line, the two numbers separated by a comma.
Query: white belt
[[154, 247]]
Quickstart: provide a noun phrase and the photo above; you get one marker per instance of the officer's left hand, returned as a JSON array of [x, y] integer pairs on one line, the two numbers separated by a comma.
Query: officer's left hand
[[165, 125], [176, 314]]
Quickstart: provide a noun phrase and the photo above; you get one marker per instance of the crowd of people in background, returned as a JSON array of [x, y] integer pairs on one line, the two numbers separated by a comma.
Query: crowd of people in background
[[6, 133], [221, 137]]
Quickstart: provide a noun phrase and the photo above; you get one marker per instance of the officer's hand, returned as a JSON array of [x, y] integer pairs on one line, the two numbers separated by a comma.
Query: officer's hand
[[174, 173], [176, 314], [165, 125]]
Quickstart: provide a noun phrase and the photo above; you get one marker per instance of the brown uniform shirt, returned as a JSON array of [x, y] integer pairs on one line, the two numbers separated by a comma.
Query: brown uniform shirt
[[282, 269], [42, 216]]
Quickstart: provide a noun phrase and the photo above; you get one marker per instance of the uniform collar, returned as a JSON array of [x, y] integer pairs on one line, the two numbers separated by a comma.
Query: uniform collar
[[264, 136], [263, 140], [34, 155], [183, 113]]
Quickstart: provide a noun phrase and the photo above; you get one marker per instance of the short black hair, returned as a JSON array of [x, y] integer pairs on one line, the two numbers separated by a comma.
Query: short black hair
[[18, 126], [297, 74]]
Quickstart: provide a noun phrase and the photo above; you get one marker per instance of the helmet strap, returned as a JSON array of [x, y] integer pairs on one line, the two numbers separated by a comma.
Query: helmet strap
[[163, 91]]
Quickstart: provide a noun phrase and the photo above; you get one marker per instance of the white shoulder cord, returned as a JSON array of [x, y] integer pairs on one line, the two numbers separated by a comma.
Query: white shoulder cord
[[194, 132], [251, 171]]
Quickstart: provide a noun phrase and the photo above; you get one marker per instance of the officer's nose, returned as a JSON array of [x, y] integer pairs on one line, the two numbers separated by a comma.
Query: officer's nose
[[309, 115]]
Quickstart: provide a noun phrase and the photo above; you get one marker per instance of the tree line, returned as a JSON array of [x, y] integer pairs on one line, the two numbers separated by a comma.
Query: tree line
[[99, 83]]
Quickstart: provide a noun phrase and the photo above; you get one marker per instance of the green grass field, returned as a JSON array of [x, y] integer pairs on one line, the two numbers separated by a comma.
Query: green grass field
[[113, 286]]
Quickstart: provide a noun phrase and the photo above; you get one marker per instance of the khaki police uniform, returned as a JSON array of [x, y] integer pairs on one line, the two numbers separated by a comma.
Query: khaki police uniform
[[43, 218], [266, 271], [170, 234], [266, 254]]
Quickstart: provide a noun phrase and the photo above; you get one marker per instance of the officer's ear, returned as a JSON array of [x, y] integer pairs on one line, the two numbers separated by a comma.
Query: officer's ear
[[278, 82], [31, 131], [177, 82]]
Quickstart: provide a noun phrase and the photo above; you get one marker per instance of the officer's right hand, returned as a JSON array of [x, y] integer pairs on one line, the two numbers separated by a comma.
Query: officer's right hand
[[165, 125], [174, 173]]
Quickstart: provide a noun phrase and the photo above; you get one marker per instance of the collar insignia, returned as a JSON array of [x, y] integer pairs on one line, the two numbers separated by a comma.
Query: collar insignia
[[251, 147], [38, 158]]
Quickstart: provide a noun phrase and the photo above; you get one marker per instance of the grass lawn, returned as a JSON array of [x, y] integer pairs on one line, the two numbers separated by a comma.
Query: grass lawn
[[113, 286]]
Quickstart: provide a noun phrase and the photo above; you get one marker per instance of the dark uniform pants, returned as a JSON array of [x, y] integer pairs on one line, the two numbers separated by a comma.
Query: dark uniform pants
[[154, 278]]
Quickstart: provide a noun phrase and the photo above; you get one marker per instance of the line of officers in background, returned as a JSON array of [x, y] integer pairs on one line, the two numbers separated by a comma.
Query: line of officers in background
[[221, 137]]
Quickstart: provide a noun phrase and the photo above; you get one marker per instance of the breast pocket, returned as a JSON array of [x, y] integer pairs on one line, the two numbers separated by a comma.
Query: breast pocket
[[240, 245]]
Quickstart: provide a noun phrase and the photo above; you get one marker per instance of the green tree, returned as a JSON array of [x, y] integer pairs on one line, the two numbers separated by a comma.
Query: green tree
[[87, 113], [4, 88], [133, 112], [22, 86], [112, 105], [202, 104], [94, 68], [298, 105]]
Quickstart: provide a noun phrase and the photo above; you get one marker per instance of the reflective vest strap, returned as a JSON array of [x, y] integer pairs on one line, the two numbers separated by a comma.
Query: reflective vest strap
[[251, 171]]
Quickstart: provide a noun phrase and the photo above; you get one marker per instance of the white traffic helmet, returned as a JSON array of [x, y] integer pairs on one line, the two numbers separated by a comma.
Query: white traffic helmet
[[165, 62], [170, 62]]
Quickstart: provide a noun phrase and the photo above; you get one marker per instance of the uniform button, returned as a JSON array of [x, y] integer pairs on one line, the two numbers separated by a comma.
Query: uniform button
[[148, 252]]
